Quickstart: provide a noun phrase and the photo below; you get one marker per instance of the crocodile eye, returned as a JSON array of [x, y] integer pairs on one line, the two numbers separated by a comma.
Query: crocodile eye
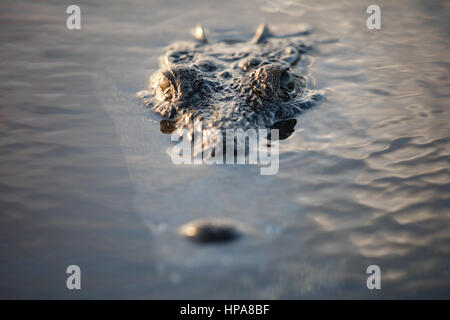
[[263, 82], [287, 85], [273, 82], [164, 86], [286, 81], [178, 83]]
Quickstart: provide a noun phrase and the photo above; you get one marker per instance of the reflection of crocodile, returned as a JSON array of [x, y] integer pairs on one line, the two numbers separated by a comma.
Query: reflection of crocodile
[[231, 84]]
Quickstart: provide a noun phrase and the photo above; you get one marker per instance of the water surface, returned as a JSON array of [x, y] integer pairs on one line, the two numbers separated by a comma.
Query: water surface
[[85, 177]]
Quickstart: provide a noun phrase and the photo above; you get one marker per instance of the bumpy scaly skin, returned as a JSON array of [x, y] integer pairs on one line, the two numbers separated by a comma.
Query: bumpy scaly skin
[[230, 85]]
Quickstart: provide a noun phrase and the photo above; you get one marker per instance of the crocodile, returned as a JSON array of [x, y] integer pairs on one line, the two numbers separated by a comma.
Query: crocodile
[[231, 84]]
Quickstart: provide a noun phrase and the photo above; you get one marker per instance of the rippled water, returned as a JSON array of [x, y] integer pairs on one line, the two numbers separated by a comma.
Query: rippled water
[[85, 177]]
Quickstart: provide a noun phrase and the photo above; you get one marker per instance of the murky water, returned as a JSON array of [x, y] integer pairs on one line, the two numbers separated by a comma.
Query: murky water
[[85, 177]]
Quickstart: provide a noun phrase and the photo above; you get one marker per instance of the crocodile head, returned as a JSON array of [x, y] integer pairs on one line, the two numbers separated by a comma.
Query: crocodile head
[[230, 84]]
